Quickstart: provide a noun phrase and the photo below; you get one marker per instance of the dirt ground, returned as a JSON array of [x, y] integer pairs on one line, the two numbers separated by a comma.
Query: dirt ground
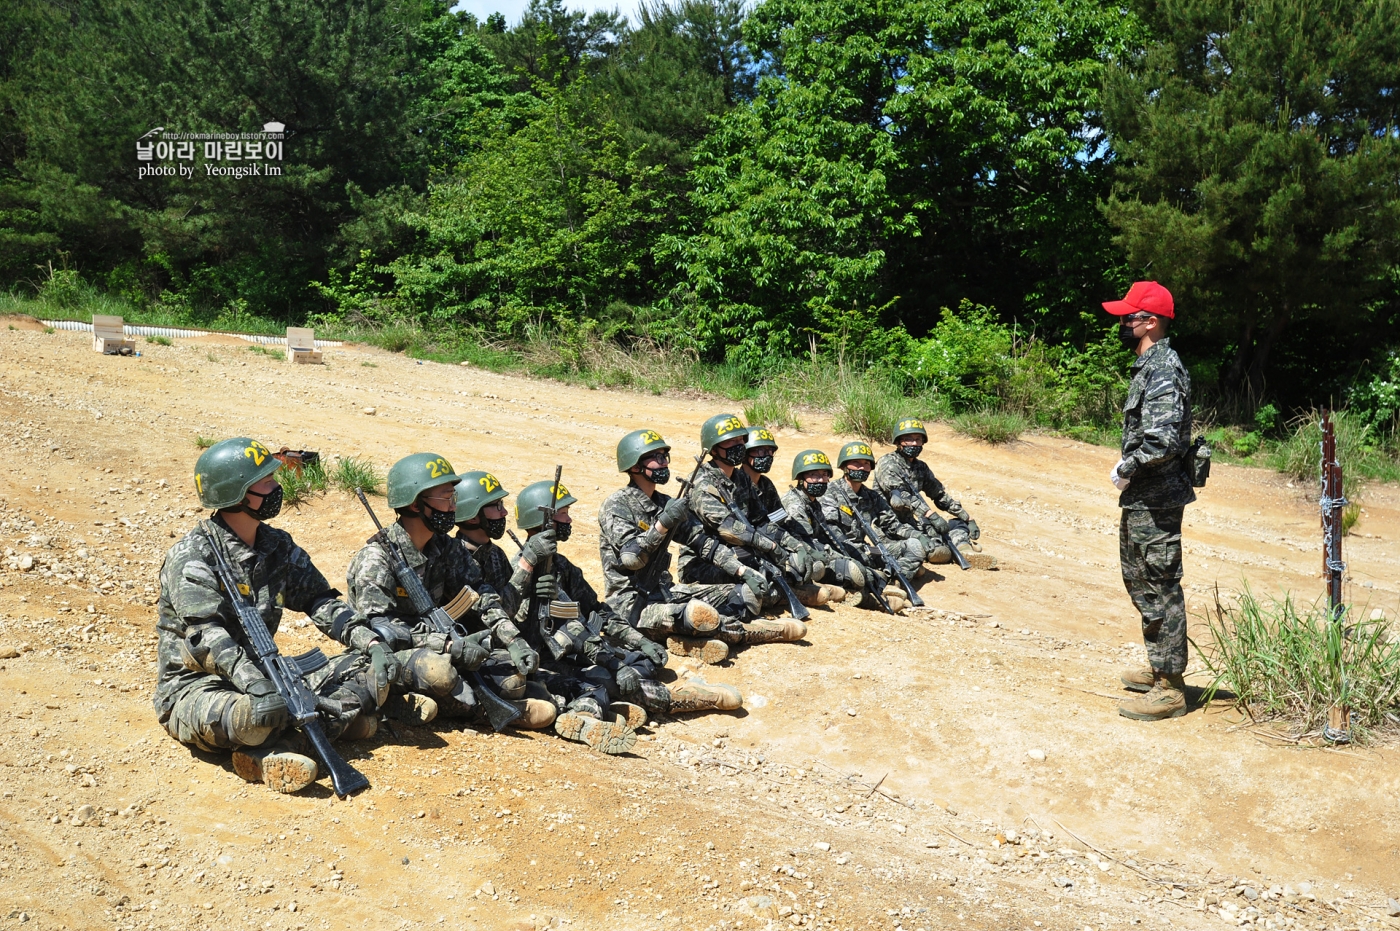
[[961, 767]]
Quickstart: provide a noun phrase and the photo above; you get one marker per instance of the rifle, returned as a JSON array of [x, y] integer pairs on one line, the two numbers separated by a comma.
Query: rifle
[[795, 607], [844, 545], [499, 711], [651, 570], [890, 564], [287, 677], [1333, 503], [946, 537], [537, 613]]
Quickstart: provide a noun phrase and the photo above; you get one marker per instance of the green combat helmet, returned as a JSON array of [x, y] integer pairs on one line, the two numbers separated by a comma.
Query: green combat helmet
[[634, 445], [810, 460], [853, 451], [475, 491], [412, 475], [528, 515], [761, 437], [226, 470], [719, 428], [909, 427]]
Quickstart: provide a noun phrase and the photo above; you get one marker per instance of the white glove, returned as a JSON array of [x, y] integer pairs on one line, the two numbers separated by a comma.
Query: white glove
[[1118, 481]]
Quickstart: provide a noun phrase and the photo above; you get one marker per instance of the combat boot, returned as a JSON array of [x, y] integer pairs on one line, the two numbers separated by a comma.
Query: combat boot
[[699, 617], [411, 708], [279, 767], [979, 560], [896, 598], [537, 714], [774, 630], [1166, 699], [363, 727], [813, 596], [1139, 680], [604, 736], [624, 712], [835, 594], [698, 695], [709, 652]]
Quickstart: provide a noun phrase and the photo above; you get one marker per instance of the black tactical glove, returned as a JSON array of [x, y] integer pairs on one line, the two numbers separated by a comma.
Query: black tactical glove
[[672, 514], [628, 680], [545, 587], [385, 666], [525, 659], [755, 580], [799, 565], [939, 524], [767, 546], [471, 651], [973, 531], [653, 651], [538, 547], [269, 710]]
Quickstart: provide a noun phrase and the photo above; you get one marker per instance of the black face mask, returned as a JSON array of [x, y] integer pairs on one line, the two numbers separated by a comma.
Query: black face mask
[[857, 475], [910, 452], [495, 527], [814, 489], [271, 505], [659, 476], [435, 520], [1126, 337], [563, 531], [761, 464], [734, 455]]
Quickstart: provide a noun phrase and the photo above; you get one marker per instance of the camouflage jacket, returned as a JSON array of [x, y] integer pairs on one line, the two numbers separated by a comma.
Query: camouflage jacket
[[198, 631], [1157, 432], [902, 480], [839, 504], [627, 522], [802, 514], [496, 568], [768, 515], [598, 627], [445, 568]]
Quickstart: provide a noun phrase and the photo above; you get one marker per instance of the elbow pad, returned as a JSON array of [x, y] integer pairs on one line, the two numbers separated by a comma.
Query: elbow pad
[[735, 533], [633, 557]]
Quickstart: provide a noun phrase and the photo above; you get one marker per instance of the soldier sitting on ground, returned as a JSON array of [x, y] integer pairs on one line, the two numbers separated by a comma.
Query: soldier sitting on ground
[[481, 521], [636, 526], [589, 656], [211, 692], [803, 563], [903, 478], [811, 470], [431, 683], [849, 495]]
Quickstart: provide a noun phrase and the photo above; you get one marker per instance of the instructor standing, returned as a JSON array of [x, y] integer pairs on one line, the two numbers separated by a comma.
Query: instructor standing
[[1154, 487]]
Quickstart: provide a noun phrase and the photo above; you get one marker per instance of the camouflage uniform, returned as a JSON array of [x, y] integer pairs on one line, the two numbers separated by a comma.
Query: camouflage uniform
[[802, 513], [1156, 434], [771, 520], [204, 660], [902, 481], [905, 543], [496, 569], [445, 568], [647, 598], [599, 645]]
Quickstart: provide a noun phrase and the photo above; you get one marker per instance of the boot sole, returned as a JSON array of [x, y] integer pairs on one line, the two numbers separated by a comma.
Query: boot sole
[[981, 560], [710, 652], [634, 716], [1137, 716], [280, 772], [603, 736]]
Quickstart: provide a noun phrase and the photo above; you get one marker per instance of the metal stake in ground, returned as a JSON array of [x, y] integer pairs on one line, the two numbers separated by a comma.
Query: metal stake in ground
[[1333, 503]]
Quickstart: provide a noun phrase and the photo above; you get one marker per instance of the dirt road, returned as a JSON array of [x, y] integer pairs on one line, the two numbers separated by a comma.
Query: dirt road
[[1008, 793]]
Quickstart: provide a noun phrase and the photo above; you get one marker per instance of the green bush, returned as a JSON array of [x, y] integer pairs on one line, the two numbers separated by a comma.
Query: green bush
[[1362, 454], [298, 486], [991, 426], [870, 407], [354, 472], [1280, 660]]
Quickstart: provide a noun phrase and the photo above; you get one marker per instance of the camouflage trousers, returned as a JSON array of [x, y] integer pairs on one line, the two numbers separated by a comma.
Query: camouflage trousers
[[655, 612], [1149, 548], [212, 714]]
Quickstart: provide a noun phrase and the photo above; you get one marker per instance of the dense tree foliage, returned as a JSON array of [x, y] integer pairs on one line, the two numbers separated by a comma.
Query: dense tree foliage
[[744, 180]]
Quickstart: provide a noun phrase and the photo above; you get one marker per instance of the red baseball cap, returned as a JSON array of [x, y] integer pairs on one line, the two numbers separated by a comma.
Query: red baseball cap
[[1143, 295]]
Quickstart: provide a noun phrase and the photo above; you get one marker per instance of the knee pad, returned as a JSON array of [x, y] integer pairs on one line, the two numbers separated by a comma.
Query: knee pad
[[513, 687], [238, 724], [432, 672]]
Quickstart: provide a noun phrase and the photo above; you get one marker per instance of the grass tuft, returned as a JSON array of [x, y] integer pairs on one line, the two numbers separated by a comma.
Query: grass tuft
[[354, 472], [298, 487], [773, 409], [869, 408], [204, 442], [268, 351], [990, 426], [159, 341], [1287, 662]]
